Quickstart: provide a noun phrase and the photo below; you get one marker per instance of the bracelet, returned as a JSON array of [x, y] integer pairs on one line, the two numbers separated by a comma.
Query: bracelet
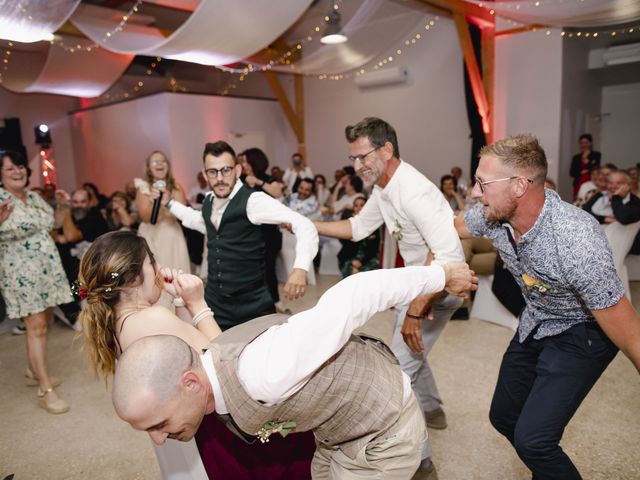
[[417, 317], [178, 302], [198, 317]]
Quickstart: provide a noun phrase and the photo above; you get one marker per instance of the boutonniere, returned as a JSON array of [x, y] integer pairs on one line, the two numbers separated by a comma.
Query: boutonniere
[[397, 230], [269, 428], [532, 283]]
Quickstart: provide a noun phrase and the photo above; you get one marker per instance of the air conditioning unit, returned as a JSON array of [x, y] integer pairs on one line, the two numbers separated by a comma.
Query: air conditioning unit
[[618, 55], [622, 54], [387, 76]]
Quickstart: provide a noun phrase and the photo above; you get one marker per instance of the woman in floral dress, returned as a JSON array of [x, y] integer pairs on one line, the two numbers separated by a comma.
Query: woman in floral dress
[[31, 272]]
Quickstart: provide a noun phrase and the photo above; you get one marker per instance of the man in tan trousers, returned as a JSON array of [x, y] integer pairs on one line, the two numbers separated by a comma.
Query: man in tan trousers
[[279, 374]]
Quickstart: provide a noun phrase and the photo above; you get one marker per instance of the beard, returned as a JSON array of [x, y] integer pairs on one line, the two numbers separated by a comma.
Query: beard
[[500, 214], [79, 213]]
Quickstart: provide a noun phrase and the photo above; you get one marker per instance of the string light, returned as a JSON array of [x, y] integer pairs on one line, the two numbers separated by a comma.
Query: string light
[[107, 36], [6, 58], [135, 90], [375, 65], [583, 34]]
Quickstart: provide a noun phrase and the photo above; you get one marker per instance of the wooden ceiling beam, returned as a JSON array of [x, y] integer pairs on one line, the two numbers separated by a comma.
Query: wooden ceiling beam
[[480, 14], [294, 121], [475, 78]]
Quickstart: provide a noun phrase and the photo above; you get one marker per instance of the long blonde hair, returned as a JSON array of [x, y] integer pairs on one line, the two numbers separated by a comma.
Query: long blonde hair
[[171, 183], [113, 262]]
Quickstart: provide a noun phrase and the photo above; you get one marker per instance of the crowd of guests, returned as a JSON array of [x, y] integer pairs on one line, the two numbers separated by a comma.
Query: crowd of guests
[[110, 249]]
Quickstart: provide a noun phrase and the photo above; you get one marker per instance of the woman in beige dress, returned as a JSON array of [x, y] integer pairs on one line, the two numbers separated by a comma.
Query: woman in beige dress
[[165, 238]]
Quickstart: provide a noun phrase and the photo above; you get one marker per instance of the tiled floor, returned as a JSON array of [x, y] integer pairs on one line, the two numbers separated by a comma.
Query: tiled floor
[[90, 442]]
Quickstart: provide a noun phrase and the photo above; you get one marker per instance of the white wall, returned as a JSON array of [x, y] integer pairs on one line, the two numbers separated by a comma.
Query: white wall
[[428, 112], [111, 143], [528, 88], [52, 110], [581, 98], [620, 142]]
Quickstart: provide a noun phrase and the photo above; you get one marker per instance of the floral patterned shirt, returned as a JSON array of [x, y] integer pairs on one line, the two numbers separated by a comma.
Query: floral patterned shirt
[[563, 265]]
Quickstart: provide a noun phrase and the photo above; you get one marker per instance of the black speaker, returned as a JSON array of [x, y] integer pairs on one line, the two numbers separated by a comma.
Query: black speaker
[[10, 136]]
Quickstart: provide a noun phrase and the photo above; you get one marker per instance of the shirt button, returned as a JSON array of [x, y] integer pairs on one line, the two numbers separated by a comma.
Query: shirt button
[[219, 274], [217, 237], [219, 285], [217, 250], [218, 261]]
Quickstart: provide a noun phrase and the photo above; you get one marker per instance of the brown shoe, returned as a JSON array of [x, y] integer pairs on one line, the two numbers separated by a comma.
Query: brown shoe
[[436, 419], [426, 473]]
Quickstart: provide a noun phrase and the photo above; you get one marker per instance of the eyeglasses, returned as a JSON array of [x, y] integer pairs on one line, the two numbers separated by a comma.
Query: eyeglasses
[[213, 172], [482, 185], [361, 158]]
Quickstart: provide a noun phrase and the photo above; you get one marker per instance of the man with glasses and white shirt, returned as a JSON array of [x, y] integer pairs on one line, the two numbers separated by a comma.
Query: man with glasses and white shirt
[[420, 219], [231, 217]]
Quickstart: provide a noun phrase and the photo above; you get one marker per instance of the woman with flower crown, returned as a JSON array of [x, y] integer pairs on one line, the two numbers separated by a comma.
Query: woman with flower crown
[[122, 283]]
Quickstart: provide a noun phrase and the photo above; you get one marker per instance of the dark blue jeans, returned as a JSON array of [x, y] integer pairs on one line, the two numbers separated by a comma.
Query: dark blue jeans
[[540, 386]]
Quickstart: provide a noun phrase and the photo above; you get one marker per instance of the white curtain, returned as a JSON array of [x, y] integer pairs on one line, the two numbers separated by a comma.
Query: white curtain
[[80, 74], [218, 32], [33, 20], [567, 13]]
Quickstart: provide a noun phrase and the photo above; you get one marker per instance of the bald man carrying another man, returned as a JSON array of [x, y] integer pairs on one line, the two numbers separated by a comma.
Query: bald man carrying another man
[[279, 374]]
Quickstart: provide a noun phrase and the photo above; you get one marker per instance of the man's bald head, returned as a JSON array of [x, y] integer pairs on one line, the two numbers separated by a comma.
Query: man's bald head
[[151, 368]]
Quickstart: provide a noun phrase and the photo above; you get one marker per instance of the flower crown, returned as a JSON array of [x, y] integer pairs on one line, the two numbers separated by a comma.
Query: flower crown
[[82, 291]]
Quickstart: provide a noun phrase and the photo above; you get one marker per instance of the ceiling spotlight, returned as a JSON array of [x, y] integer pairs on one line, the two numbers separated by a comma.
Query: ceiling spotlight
[[333, 33], [43, 128]]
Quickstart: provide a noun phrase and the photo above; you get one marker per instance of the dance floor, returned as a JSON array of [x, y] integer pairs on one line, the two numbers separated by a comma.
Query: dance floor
[[90, 442]]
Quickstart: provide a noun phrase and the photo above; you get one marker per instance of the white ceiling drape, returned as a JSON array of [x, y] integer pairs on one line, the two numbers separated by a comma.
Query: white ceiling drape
[[567, 13], [33, 20], [80, 74], [218, 32], [373, 28]]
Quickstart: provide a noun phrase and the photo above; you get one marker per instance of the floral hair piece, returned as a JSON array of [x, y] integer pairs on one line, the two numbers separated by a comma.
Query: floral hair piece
[[79, 291]]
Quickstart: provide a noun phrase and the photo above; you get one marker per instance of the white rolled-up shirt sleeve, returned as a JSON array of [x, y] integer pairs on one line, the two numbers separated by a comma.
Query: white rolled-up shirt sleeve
[[190, 217], [367, 221], [281, 360], [263, 209]]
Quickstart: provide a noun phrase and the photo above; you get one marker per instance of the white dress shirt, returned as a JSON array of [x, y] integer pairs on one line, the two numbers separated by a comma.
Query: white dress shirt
[[416, 214], [281, 360], [261, 209], [290, 176], [603, 207]]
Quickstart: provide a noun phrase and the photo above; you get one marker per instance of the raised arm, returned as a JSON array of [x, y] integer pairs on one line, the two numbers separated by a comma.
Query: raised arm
[[190, 217], [280, 361], [262, 209]]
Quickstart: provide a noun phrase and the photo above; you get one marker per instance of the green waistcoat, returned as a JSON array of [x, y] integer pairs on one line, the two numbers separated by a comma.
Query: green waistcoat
[[236, 290]]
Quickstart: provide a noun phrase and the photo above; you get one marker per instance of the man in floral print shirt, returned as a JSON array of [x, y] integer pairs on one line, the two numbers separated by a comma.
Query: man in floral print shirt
[[576, 314]]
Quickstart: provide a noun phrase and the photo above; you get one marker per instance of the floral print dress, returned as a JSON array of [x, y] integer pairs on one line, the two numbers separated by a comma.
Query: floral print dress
[[31, 274]]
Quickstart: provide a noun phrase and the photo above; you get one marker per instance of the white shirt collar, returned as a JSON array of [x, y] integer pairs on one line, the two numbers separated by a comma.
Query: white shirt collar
[[207, 363]]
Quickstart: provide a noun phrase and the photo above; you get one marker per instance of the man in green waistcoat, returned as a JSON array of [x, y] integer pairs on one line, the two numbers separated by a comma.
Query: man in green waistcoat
[[231, 217], [307, 372]]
